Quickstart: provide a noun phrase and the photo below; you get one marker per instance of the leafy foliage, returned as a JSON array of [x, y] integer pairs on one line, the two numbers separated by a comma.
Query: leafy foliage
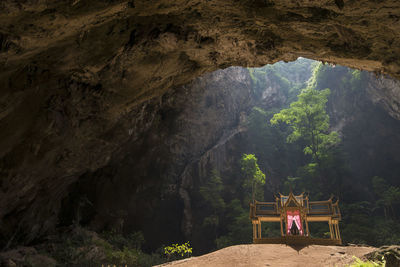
[[212, 191], [133, 240], [254, 177], [320, 167], [309, 121], [374, 221], [126, 250], [388, 196], [176, 251], [360, 263], [239, 228], [289, 78], [80, 247]]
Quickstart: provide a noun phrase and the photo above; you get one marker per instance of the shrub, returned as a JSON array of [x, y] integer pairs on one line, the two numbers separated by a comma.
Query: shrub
[[360, 263], [176, 251]]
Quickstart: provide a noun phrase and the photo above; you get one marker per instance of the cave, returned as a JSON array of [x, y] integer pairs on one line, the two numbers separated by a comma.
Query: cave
[[96, 98]]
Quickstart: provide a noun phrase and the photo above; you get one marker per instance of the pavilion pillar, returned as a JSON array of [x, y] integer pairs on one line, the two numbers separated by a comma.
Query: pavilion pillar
[[331, 228], [254, 231], [259, 229], [282, 227], [335, 230], [308, 231], [338, 231]]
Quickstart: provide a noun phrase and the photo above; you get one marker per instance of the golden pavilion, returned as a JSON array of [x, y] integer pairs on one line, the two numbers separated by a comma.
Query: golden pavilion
[[294, 213]]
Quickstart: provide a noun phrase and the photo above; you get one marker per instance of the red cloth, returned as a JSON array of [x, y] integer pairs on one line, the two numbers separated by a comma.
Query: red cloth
[[294, 216]]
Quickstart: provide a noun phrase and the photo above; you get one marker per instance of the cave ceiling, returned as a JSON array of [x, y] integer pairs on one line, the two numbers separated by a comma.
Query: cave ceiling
[[75, 75]]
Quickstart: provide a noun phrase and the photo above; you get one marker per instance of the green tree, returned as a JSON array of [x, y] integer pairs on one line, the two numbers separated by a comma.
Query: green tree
[[309, 121], [388, 195], [238, 227], [254, 177], [211, 192]]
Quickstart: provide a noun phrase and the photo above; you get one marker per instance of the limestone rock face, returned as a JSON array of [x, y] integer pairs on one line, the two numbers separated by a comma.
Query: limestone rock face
[[150, 181], [386, 92], [80, 80]]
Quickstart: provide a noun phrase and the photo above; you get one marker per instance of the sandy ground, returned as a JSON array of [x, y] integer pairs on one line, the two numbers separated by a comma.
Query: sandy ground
[[276, 255]]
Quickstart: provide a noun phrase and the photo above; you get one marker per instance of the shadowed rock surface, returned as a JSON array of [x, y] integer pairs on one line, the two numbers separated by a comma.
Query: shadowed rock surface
[[83, 82], [390, 253]]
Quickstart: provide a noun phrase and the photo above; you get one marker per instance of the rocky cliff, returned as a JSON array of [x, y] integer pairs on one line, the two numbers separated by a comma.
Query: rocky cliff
[[148, 182]]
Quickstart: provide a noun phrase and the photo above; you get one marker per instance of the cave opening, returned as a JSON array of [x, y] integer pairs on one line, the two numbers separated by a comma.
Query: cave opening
[[364, 160], [179, 177], [189, 159]]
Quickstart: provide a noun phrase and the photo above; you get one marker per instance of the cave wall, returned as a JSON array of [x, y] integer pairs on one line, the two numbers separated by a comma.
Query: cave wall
[[148, 184], [76, 77], [384, 91], [369, 125], [154, 181]]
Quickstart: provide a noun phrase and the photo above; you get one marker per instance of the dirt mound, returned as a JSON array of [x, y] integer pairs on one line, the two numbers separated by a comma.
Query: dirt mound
[[276, 255]]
